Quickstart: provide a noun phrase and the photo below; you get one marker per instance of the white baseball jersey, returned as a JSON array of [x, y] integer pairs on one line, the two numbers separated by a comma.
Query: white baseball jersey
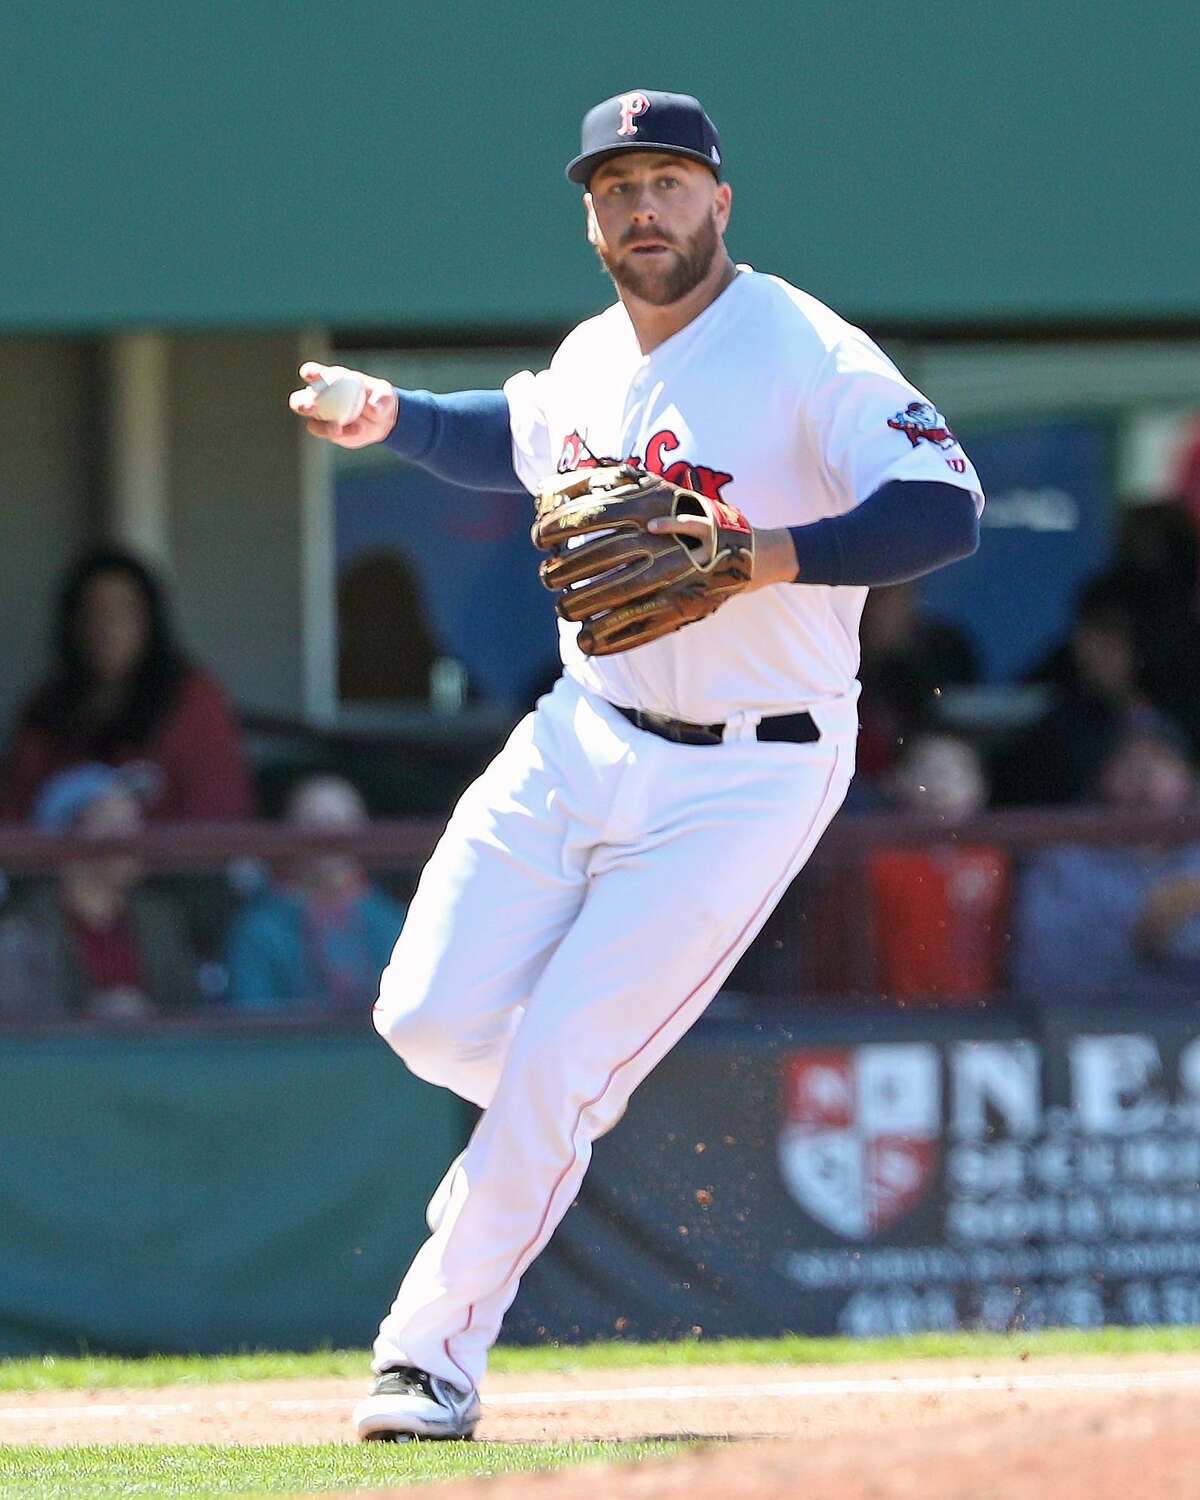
[[771, 401], [531, 976]]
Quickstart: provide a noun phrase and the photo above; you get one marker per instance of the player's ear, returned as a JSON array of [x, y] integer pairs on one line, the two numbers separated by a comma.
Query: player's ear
[[722, 203], [593, 228]]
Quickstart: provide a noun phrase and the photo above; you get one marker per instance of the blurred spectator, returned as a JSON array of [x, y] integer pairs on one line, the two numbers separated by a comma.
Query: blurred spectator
[[1094, 675], [907, 658], [323, 934], [1188, 475], [385, 650], [1157, 564], [939, 910], [121, 691], [1134, 643], [1096, 918], [95, 944]]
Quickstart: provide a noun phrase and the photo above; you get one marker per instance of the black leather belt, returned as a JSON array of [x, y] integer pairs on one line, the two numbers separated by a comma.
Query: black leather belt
[[795, 729]]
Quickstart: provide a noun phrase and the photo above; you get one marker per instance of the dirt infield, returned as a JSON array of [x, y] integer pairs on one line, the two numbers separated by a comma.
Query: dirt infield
[[1054, 1429]]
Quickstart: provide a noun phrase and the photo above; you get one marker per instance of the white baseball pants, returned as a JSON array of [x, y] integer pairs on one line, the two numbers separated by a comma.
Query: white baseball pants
[[590, 894]]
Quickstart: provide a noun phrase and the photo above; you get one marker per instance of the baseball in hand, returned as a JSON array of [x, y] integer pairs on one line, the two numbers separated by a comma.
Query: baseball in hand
[[342, 400]]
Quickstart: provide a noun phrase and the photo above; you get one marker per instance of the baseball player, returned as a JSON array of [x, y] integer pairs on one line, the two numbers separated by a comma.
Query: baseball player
[[723, 466]]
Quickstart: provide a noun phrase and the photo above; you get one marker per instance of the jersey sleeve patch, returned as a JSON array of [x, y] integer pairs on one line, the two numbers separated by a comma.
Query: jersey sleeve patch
[[922, 422]]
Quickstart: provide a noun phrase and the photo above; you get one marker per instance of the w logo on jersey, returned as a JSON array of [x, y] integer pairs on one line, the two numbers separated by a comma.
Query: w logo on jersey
[[859, 1144], [632, 105], [921, 421]]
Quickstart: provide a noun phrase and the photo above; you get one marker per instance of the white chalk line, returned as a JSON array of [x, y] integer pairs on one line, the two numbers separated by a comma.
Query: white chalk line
[[778, 1390]]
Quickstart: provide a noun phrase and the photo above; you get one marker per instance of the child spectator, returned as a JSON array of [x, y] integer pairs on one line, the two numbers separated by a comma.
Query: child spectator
[[322, 935], [95, 945], [121, 691], [1095, 919]]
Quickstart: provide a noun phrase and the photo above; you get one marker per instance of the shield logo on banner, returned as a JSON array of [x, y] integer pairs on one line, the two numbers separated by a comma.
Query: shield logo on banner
[[859, 1145]]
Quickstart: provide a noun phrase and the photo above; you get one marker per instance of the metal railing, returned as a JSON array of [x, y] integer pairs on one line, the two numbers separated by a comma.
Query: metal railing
[[821, 943], [405, 843]]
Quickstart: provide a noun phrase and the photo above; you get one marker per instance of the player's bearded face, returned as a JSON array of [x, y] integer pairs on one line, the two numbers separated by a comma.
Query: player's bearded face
[[665, 278]]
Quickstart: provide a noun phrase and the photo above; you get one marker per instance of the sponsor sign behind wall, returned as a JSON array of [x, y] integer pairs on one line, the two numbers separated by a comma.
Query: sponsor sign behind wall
[[949, 1174], [861, 1132]]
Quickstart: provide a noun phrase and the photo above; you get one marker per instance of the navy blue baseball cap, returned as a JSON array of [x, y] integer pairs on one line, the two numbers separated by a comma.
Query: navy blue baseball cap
[[646, 120]]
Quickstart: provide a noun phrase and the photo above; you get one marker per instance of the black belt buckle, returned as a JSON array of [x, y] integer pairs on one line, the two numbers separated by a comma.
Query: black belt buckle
[[792, 729], [678, 731]]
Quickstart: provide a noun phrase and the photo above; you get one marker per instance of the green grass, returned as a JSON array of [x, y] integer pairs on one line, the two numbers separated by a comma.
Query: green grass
[[59, 1372], [205, 1471]]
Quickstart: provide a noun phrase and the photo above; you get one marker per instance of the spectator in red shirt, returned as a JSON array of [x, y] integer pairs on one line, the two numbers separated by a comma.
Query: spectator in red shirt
[[121, 691], [939, 911], [919, 922], [94, 945]]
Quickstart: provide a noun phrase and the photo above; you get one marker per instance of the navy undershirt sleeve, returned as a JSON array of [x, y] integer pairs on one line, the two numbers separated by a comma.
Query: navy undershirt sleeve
[[464, 437], [908, 527]]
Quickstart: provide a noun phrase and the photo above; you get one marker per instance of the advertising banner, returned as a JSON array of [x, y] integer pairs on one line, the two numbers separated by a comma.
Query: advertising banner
[[895, 1181]]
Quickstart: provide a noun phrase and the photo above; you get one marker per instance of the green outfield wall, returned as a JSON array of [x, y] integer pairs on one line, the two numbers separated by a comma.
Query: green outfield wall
[[184, 1191], [867, 1172], [388, 166]]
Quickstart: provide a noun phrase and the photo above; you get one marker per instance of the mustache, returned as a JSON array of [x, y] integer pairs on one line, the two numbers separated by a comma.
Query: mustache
[[630, 240]]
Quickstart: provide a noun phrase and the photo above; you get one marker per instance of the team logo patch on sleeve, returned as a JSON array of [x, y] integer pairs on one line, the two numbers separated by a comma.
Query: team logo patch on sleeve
[[919, 421]]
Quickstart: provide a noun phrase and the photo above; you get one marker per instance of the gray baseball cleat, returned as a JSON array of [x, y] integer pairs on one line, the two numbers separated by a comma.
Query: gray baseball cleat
[[407, 1403]]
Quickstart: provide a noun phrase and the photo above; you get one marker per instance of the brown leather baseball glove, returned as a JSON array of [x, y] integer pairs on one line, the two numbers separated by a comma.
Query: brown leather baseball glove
[[628, 585]]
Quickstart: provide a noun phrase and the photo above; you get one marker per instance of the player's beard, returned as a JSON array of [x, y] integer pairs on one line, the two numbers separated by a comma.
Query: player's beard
[[688, 266]]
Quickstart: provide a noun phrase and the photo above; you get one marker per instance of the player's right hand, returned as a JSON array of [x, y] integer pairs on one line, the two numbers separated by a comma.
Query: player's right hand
[[378, 415]]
